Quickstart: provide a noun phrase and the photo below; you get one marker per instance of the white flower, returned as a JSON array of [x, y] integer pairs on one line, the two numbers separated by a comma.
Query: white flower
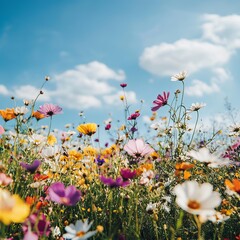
[[37, 139], [197, 106], [151, 207], [216, 217], [79, 231], [212, 160], [197, 198], [234, 130], [20, 110], [180, 76], [56, 231], [147, 177], [50, 152]]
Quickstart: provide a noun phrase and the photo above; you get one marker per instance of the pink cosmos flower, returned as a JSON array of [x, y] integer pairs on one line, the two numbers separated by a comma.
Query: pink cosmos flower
[[134, 116], [1, 130], [68, 196], [160, 101], [49, 109], [138, 148], [5, 180]]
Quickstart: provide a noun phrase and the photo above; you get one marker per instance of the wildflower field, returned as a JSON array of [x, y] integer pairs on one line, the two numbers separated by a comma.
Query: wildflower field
[[173, 182]]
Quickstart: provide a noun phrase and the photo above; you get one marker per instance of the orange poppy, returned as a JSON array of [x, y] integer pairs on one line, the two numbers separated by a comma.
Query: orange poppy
[[38, 115], [234, 185], [8, 114]]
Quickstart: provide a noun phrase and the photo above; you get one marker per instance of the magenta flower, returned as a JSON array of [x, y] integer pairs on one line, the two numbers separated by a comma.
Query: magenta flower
[[36, 226], [49, 109], [68, 196], [31, 167], [134, 116], [118, 182], [138, 148], [108, 126], [123, 85], [160, 101], [126, 173]]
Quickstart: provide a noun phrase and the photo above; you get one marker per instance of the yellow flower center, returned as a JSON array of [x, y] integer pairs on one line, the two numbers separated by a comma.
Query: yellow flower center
[[64, 200], [80, 233], [193, 204]]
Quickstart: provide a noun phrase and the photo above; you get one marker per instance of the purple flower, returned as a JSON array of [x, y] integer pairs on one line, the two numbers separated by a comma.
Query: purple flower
[[49, 109], [99, 161], [31, 167], [160, 101], [134, 116], [68, 196], [126, 173], [36, 226], [119, 182], [123, 85]]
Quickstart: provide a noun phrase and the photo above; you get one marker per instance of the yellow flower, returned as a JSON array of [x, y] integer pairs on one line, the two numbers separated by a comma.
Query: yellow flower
[[100, 228], [87, 128], [121, 97], [51, 140], [12, 208], [89, 151], [8, 114]]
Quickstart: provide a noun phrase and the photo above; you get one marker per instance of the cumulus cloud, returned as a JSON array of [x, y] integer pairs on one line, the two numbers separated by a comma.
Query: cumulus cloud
[[200, 88], [114, 99], [166, 59], [3, 90], [85, 86], [223, 30], [212, 51], [30, 92]]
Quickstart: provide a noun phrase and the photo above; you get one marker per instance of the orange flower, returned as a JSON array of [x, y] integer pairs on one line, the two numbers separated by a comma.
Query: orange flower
[[186, 175], [146, 166], [30, 200], [234, 185], [38, 115], [8, 114], [184, 166]]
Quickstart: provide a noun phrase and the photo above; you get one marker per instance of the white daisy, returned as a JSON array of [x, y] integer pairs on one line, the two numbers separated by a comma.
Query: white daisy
[[197, 106], [197, 198], [180, 76], [234, 130], [212, 160], [79, 231], [20, 110]]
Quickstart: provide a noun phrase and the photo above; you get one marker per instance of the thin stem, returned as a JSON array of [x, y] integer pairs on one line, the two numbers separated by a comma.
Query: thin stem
[[194, 130]]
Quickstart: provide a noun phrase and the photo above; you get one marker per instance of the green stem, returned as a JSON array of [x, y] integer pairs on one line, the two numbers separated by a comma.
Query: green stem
[[194, 130]]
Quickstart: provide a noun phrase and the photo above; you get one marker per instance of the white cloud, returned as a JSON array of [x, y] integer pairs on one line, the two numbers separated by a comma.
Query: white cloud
[[114, 99], [30, 92], [222, 30], [4, 91], [220, 75], [200, 88], [167, 59], [85, 86]]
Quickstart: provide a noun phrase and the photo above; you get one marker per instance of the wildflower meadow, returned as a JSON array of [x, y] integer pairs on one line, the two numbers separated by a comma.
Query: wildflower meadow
[[171, 180]]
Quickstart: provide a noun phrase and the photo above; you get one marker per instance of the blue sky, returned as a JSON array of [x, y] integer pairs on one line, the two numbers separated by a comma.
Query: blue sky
[[88, 47]]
